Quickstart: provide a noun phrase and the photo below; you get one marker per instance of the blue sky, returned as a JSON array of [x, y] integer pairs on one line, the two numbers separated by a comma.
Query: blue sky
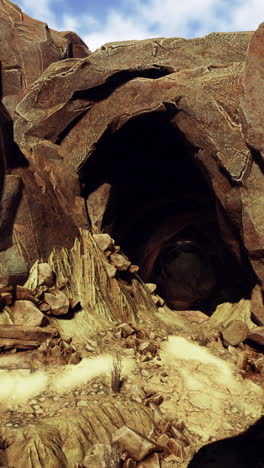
[[101, 21]]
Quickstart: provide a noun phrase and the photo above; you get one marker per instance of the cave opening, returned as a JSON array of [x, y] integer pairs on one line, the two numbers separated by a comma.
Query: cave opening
[[162, 211]]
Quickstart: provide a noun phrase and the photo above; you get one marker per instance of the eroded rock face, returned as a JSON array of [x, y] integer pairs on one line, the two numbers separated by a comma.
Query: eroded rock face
[[134, 153], [73, 101]]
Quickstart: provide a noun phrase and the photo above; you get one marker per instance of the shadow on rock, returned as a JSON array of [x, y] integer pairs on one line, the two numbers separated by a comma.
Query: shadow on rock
[[243, 451]]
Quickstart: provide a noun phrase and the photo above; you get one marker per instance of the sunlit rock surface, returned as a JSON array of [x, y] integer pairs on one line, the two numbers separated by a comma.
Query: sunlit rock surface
[[131, 248]]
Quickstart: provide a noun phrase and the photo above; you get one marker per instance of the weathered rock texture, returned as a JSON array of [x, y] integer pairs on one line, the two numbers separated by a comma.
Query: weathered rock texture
[[156, 146]]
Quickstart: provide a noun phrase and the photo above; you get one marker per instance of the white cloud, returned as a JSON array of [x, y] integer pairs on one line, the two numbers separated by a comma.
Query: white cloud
[[153, 18], [117, 28], [40, 9]]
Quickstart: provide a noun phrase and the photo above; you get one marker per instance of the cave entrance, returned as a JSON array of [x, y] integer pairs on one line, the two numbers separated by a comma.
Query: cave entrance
[[162, 211]]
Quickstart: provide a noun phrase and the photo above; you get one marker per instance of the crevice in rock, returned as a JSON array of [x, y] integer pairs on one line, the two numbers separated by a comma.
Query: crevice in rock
[[69, 127], [118, 79], [162, 211], [12, 157], [258, 158]]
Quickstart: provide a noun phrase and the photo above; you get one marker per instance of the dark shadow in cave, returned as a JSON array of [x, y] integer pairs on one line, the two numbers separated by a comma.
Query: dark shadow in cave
[[162, 212]]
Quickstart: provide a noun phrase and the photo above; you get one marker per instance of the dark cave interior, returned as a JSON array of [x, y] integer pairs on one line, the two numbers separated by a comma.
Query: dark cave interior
[[162, 212]]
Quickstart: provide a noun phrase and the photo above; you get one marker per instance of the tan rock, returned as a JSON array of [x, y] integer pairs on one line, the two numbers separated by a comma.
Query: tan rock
[[126, 330], [58, 302], [156, 399], [119, 262], [146, 346], [176, 447], [100, 456], [104, 241], [242, 361], [259, 364], [158, 301], [194, 316], [151, 461], [22, 293], [26, 312], [257, 306], [235, 332], [136, 445], [151, 287], [74, 358], [129, 463], [82, 403], [163, 440], [14, 343], [227, 312], [44, 307], [45, 275], [25, 332], [137, 393], [134, 269], [97, 202], [111, 270]]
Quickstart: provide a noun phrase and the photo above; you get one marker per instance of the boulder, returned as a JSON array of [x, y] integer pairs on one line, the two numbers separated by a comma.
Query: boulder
[[46, 275], [22, 293], [58, 302], [119, 262], [13, 343], [26, 332], [39, 46], [126, 329], [235, 333], [136, 445], [104, 241], [26, 312]]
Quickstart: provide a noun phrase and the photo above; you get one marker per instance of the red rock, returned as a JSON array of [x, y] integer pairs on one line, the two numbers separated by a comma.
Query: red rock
[[253, 87], [257, 335], [22, 293], [38, 48]]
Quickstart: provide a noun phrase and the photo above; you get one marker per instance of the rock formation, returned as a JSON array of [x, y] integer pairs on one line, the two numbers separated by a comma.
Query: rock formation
[[130, 210]]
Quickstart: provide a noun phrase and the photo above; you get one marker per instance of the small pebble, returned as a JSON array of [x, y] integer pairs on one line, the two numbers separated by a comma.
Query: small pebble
[[33, 402], [81, 403]]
